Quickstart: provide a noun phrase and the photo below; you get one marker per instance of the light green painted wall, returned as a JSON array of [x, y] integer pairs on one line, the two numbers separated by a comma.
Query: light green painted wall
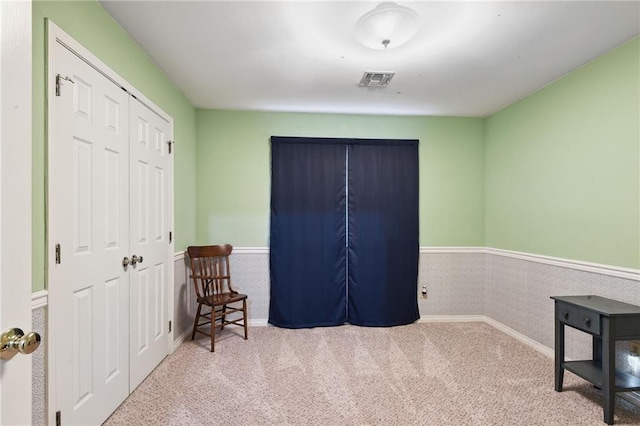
[[563, 166], [88, 23], [233, 171]]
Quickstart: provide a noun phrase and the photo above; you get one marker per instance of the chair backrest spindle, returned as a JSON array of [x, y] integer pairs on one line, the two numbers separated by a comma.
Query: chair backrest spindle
[[210, 269]]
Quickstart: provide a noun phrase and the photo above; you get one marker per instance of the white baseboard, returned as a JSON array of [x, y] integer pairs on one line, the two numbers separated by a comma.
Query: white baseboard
[[495, 324], [261, 322], [181, 338], [520, 337], [452, 318]]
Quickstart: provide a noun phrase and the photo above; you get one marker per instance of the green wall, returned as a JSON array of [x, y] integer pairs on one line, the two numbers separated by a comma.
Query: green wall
[[88, 23], [233, 171], [563, 166]]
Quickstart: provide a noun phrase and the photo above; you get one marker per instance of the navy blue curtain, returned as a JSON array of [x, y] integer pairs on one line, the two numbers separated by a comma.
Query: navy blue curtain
[[312, 282], [307, 242], [383, 232]]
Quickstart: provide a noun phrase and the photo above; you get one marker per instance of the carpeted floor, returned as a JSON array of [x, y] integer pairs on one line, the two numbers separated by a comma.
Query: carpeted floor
[[420, 374]]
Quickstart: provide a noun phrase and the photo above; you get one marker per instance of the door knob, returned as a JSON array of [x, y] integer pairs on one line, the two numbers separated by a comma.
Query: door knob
[[125, 261], [14, 340], [136, 259]]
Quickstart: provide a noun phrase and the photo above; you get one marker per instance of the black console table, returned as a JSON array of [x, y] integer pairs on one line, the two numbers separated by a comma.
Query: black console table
[[607, 321]]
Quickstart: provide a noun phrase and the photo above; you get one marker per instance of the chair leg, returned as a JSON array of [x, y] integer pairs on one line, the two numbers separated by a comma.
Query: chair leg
[[244, 313], [195, 322], [213, 328], [224, 310]]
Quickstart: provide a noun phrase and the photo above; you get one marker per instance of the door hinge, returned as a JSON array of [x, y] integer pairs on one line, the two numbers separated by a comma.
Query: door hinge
[[169, 326], [57, 254], [58, 83], [170, 143], [58, 418], [170, 236]]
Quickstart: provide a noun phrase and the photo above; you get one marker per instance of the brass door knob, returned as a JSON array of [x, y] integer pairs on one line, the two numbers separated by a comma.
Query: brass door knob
[[14, 341], [125, 261], [136, 259]]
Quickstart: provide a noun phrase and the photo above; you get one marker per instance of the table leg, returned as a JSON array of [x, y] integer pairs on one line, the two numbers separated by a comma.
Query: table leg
[[597, 349], [597, 353], [559, 352], [608, 369]]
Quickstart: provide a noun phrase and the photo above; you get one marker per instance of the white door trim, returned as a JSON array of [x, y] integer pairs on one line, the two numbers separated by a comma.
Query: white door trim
[[56, 35], [15, 193]]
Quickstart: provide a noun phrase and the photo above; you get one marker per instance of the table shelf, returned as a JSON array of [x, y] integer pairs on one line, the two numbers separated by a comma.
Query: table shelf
[[591, 371]]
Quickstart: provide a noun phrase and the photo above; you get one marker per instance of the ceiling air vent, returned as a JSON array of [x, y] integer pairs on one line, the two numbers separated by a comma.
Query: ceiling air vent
[[376, 79]]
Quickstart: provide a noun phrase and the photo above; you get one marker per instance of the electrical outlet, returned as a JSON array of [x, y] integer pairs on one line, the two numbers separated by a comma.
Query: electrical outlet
[[634, 348], [424, 291]]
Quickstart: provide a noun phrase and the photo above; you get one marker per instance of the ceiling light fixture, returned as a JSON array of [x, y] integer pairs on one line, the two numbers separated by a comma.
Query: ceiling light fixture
[[389, 25]]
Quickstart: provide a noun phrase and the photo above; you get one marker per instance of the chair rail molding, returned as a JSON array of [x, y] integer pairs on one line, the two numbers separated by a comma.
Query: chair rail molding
[[614, 271], [39, 299], [610, 270]]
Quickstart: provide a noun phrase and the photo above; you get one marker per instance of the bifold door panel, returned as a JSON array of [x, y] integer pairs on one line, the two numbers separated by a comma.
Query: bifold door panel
[[148, 278], [89, 219]]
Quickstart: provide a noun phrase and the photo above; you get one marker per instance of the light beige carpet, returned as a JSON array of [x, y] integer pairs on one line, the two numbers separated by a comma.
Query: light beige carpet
[[420, 374]]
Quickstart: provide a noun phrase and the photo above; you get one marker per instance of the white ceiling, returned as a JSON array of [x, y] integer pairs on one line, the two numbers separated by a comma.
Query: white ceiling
[[468, 58]]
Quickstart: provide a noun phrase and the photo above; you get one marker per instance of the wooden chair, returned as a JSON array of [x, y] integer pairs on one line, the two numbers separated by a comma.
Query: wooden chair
[[212, 282]]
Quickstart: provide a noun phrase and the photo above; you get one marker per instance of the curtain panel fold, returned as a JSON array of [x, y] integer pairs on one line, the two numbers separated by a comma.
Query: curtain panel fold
[[307, 249], [383, 233], [344, 232]]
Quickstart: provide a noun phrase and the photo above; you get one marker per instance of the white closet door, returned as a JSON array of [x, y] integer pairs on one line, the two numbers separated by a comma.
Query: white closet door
[[89, 219], [149, 339]]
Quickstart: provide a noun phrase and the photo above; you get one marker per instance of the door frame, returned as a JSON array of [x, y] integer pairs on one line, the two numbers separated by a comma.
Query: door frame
[[56, 35], [16, 212]]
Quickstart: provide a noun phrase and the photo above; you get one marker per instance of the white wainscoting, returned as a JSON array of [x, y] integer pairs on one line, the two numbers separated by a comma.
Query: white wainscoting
[[185, 304], [469, 281], [38, 365]]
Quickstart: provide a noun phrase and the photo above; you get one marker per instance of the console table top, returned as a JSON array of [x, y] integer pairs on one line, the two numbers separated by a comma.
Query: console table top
[[601, 305]]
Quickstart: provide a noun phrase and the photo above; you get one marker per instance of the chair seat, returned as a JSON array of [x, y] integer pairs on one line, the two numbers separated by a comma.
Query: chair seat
[[222, 299]]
